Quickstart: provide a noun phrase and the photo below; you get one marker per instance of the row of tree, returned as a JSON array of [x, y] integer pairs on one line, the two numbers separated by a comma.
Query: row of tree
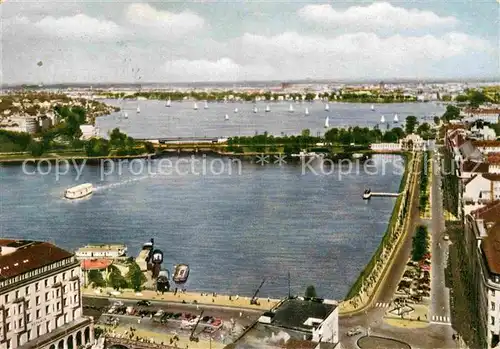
[[345, 96], [134, 278], [424, 181], [420, 244]]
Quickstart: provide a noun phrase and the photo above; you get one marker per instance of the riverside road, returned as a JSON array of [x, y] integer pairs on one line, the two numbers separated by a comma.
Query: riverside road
[[432, 336]]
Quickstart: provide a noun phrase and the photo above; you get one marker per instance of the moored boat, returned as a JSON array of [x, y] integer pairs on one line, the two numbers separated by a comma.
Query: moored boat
[[79, 191], [367, 194], [181, 273]]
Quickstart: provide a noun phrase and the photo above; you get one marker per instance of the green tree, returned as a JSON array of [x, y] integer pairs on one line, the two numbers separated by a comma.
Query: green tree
[[135, 276], [150, 148], [306, 132], [36, 148], [451, 113], [116, 279], [410, 124], [437, 120], [95, 278], [310, 292], [97, 147]]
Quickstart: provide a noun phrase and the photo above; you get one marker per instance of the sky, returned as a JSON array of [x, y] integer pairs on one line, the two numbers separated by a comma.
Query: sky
[[111, 41]]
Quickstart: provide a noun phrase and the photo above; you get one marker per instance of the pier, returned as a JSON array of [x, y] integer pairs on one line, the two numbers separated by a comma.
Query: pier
[[367, 195]]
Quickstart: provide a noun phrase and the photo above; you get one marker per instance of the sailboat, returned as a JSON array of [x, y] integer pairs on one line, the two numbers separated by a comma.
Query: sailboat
[[372, 107], [195, 107], [268, 109], [382, 119], [307, 111], [235, 110], [138, 109], [206, 105], [290, 109], [327, 107], [168, 103], [327, 122], [226, 117], [396, 119], [255, 110]]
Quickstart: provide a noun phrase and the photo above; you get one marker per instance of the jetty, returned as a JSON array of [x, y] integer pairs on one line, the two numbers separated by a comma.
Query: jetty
[[368, 194]]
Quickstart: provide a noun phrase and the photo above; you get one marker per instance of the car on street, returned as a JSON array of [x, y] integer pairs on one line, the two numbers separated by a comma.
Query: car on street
[[446, 237], [144, 303], [354, 331]]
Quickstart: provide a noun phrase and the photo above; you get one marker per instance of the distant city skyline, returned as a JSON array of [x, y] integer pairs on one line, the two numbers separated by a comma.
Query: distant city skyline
[[51, 42]]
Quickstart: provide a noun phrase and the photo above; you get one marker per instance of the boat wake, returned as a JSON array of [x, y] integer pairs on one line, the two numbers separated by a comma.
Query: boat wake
[[118, 184]]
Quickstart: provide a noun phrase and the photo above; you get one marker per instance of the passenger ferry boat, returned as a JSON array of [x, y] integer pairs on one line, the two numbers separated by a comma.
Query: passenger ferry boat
[[181, 273], [80, 191]]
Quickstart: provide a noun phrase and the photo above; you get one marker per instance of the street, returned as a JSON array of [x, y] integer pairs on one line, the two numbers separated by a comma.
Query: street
[[440, 294], [433, 336]]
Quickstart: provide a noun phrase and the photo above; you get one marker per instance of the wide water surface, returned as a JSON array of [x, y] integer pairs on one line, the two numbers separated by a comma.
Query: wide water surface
[[232, 229], [181, 120]]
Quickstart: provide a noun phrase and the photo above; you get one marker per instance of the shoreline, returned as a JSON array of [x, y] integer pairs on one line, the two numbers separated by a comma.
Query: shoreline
[[175, 153], [369, 267]]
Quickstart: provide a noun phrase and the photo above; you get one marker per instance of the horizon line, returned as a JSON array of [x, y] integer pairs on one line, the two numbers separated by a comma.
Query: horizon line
[[266, 82]]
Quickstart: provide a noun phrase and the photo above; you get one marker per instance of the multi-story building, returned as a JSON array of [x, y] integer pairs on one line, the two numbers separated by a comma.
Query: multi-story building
[[40, 298], [482, 242]]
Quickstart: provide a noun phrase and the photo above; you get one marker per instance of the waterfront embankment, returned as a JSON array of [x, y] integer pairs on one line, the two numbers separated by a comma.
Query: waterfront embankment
[[371, 278], [208, 299]]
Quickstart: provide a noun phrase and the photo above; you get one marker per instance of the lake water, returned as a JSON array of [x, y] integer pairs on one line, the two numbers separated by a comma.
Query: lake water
[[260, 221], [155, 120]]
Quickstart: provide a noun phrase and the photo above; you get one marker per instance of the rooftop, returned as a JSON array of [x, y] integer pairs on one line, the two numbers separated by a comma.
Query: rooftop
[[489, 213], [20, 256], [295, 312], [490, 143], [476, 167], [491, 248], [95, 264]]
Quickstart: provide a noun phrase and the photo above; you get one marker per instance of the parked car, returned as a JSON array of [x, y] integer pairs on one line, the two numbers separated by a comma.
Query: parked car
[[446, 237], [354, 331], [144, 303]]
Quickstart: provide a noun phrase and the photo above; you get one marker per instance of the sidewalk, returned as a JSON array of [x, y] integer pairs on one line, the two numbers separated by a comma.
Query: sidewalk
[[183, 342], [188, 297]]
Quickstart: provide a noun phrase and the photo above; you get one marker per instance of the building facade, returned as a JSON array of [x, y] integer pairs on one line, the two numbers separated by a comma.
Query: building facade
[[40, 298]]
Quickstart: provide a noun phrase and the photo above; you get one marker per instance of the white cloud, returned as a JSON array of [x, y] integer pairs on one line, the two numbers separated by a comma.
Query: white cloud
[[173, 24], [379, 15], [357, 55], [71, 27], [224, 69]]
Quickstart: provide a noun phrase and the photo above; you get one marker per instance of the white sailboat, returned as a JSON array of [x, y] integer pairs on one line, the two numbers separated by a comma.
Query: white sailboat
[[372, 107], [290, 109], [307, 111], [327, 122], [255, 110], [169, 102], [206, 105], [327, 107], [226, 117], [195, 107], [382, 119], [235, 110], [268, 109], [396, 119]]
